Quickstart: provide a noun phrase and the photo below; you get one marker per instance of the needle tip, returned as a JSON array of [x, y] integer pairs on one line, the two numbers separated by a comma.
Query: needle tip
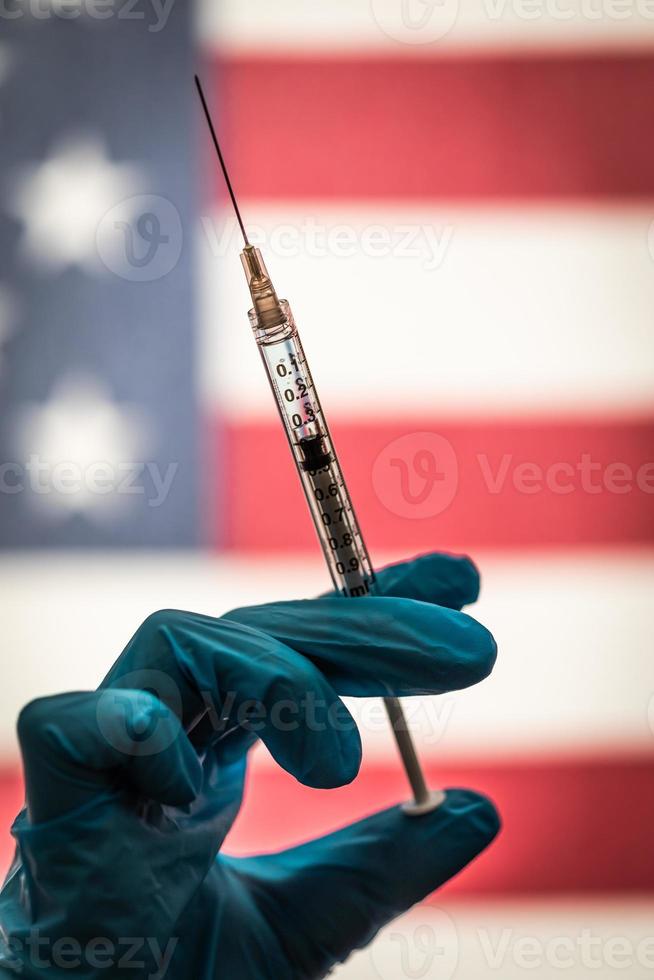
[[221, 159]]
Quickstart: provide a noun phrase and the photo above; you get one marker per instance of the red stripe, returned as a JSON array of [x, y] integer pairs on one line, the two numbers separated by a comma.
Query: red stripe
[[504, 479], [568, 827], [581, 826], [11, 799], [455, 127]]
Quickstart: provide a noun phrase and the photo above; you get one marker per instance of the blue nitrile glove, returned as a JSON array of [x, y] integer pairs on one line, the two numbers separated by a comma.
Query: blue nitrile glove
[[129, 797]]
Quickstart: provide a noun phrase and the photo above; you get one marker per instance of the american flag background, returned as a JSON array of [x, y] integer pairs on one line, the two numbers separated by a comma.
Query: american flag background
[[457, 197]]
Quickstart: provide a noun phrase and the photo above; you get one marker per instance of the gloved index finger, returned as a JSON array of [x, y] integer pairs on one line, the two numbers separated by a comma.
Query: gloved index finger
[[153, 660], [446, 580], [220, 670], [378, 646]]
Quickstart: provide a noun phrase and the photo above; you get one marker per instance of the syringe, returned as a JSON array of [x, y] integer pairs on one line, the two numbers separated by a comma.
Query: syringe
[[317, 464]]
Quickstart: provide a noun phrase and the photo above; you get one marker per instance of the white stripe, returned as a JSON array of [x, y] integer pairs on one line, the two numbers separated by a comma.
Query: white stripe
[[575, 670], [535, 938], [422, 27], [440, 310]]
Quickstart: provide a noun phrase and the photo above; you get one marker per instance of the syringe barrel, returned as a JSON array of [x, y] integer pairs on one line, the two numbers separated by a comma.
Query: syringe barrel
[[328, 498], [313, 451]]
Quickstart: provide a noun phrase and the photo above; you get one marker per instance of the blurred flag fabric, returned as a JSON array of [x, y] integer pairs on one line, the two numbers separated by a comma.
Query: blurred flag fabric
[[458, 200]]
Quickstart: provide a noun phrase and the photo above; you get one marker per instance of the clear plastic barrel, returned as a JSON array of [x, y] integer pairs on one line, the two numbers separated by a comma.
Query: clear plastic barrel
[[329, 501], [308, 435]]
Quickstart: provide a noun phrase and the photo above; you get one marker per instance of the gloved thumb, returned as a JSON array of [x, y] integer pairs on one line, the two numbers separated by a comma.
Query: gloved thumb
[[339, 890]]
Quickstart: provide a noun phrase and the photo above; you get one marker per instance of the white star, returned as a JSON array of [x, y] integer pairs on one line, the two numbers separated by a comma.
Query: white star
[[80, 449], [62, 200]]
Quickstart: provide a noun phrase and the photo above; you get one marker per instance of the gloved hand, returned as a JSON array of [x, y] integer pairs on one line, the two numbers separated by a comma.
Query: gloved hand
[[130, 797]]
